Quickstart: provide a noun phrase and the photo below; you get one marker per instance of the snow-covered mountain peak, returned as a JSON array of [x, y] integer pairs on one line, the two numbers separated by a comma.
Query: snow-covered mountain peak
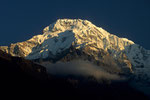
[[85, 33], [68, 39], [66, 32], [68, 24], [76, 25], [81, 34]]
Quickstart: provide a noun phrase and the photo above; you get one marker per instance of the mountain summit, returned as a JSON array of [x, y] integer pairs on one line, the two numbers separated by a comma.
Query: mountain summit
[[68, 39]]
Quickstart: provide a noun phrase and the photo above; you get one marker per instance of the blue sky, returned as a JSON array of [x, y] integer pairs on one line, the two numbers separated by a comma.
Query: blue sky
[[22, 19]]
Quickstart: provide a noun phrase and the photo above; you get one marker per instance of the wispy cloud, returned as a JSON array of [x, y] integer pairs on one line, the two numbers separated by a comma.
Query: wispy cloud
[[79, 67]]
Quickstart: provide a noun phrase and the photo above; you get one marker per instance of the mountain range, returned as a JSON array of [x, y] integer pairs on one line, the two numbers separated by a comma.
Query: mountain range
[[69, 39]]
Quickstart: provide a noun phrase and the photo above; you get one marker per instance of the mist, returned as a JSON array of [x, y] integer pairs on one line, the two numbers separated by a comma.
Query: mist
[[79, 68]]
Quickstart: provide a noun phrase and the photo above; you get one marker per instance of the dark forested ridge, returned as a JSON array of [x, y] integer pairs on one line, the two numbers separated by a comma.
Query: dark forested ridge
[[23, 78]]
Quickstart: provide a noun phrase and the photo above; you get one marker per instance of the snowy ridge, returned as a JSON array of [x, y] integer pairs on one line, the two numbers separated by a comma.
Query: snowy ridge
[[59, 36], [84, 33]]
